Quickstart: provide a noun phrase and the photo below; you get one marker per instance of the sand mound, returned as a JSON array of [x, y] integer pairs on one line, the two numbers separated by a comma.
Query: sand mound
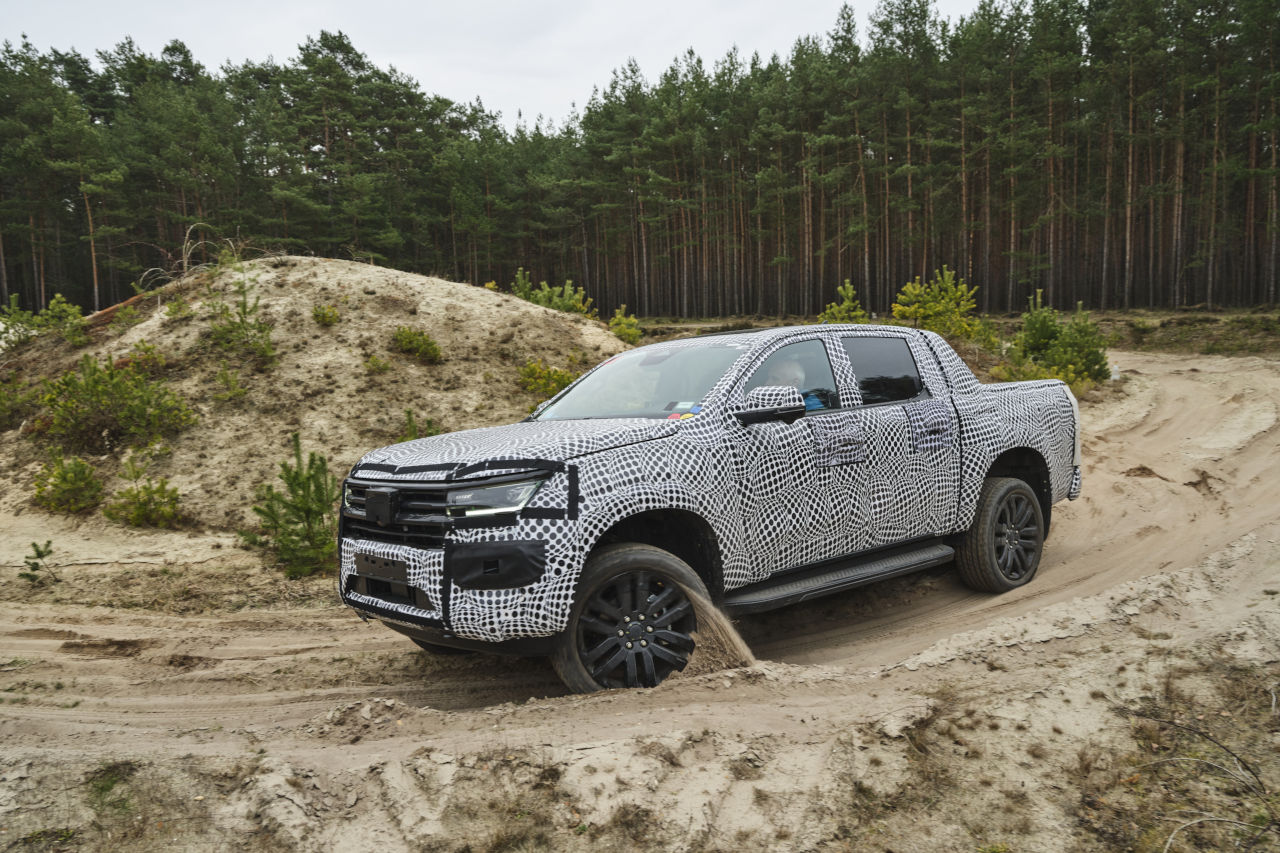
[[321, 386]]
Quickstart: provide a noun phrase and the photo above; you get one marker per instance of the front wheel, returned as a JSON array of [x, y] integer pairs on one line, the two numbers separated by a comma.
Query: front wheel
[[1002, 549], [632, 621]]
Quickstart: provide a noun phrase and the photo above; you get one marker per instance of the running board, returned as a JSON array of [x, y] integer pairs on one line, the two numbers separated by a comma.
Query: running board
[[800, 586]]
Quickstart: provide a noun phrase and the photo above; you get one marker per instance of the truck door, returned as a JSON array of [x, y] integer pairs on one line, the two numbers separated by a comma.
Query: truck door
[[912, 461], [793, 495]]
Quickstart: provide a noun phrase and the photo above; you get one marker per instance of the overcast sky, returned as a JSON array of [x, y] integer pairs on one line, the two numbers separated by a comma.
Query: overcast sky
[[531, 56]]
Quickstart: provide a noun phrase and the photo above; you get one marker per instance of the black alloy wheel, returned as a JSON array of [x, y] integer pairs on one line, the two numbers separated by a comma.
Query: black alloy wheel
[[633, 623], [1016, 537], [1002, 549]]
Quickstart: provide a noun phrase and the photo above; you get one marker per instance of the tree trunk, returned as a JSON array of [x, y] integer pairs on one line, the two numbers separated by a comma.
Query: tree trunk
[[1128, 200], [93, 252]]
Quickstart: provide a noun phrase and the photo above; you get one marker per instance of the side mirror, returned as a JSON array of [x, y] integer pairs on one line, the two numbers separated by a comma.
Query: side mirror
[[772, 403]]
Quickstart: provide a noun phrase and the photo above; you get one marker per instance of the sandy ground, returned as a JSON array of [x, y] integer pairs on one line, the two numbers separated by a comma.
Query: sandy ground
[[174, 693]]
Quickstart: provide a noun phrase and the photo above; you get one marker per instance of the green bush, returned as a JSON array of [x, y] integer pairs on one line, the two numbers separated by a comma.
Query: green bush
[[522, 286], [376, 365], [146, 503], [418, 344], [944, 305], [847, 310], [146, 359], [68, 484], [97, 407], [1040, 328], [59, 316], [126, 316], [544, 380], [573, 300], [1046, 347], [64, 318], [232, 390], [16, 402], [625, 326], [238, 329], [177, 309], [1080, 350], [325, 315], [17, 326], [412, 430], [299, 524], [37, 570]]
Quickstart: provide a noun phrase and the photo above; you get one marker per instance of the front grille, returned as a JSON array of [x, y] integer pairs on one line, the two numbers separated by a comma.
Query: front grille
[[390, 591], [419, 520]]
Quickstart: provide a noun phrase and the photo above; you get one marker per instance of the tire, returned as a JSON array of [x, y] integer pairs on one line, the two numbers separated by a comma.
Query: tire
[[632, 621], [1002, 549], [432, 648]]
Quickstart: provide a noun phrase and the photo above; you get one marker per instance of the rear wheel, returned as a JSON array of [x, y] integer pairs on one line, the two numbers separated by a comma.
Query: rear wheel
[[1002, 549], [632, 621]]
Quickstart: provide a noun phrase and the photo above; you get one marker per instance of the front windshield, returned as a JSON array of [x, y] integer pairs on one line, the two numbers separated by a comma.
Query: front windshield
[[662, 382]]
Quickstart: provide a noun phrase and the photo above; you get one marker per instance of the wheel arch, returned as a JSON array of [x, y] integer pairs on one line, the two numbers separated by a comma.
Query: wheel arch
[[1028, 465], [681, 532]]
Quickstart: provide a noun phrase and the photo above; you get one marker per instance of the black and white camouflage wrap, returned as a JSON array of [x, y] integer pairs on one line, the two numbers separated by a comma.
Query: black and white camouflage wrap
[[776, 496]]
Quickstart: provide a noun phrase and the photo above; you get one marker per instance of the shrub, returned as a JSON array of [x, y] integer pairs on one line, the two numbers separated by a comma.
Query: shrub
[[573, 300], [418, 344], [177, 309], [146, 359], [301, 523], [376, 365], [1040, 328], [37, 570], [64, 318], [16, 402], [412, 430], [1080, 350], [544, 380], [944, 305], [68, 484], [99, 406], [238, 329], [325, 315], [625, 326], [1047, 348], [17, 326], [127, 316], [232, 390], [847, 310], [523, 285], [146, 503], [59, 316]]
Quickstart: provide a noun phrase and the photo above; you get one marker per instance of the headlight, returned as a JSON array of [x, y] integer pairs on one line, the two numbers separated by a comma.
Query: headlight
[[491, 500], [347, 494]]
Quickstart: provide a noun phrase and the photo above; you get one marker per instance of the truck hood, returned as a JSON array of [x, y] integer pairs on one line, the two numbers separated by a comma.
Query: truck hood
[[447, 457]]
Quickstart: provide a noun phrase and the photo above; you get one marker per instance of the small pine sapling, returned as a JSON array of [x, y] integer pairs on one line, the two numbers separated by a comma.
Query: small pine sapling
[[625, 326], [146, 503], [38, 571], [300, 523], [847, 310]]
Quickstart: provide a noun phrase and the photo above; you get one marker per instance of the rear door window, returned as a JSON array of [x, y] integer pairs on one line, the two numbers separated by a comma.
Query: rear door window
[[885, 370]]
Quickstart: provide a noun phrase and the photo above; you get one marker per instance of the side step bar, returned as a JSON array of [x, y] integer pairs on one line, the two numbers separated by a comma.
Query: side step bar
[[827, 578]]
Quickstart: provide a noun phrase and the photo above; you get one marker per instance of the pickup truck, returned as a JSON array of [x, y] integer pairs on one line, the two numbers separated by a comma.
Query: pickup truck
[[747, 469]]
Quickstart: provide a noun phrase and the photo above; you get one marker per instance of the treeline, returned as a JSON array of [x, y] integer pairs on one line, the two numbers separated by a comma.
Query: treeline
[[1122, 153]]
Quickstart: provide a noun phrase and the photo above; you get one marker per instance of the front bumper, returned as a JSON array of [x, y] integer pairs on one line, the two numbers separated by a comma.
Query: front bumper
[[488, 580]]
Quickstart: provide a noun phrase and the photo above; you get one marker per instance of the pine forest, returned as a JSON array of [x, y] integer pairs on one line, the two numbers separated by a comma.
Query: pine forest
[[1119, 153]]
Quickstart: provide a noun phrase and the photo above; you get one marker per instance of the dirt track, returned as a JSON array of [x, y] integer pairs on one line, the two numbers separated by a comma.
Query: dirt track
[[306, 728]]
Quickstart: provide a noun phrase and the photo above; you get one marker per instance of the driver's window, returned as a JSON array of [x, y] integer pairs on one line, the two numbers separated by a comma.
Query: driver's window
[[805, 366]]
